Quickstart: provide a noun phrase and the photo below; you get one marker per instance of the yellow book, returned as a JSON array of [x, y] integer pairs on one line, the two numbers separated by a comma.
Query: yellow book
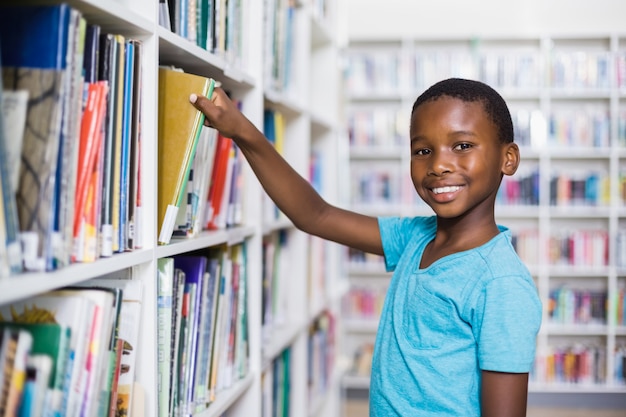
[[179, 129]]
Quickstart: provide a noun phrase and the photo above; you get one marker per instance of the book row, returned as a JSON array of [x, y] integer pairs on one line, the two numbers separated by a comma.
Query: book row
[[580, 248], [202, 328], [72, 351], [573, 306], [200, 171], [582, 188], [394, 71], [71, 138], [362, 302], [588, 248], [321, 355], [575, 365], [276, 386], [71, 186], [572, 364], [213, 25], [276, 275], [620, 307], [278, 45]]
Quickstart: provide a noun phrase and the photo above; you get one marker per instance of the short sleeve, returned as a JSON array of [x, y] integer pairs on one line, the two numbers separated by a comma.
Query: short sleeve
[[507, 318]]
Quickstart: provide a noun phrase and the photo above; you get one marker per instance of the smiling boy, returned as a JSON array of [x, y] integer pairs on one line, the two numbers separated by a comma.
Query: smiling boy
[[458, 327]]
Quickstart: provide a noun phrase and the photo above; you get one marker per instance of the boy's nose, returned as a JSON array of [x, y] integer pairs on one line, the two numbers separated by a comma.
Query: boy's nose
[[440, 164]]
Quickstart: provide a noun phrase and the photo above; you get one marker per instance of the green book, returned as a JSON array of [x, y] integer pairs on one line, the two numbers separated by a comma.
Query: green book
[[53, 340]]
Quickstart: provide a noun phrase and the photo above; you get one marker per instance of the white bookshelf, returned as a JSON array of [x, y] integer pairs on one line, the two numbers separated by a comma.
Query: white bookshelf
[[520, 67], [312, 126]]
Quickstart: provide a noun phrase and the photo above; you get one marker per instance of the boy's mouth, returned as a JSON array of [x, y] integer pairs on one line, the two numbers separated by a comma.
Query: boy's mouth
[[446, 189]]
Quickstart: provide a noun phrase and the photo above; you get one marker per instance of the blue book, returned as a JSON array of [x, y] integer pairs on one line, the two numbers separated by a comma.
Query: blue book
[[194, 268], [129, 64]]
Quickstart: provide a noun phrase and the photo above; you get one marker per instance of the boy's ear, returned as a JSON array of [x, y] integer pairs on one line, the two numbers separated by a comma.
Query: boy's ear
[[511, 159]]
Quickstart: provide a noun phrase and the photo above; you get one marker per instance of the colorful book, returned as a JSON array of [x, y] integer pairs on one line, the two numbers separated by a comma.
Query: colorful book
[[127, 115], [134, 198], [53, 340], [218, 181], [65, 181], [7, 360], [179, 129], [194, 268], [178, 298], [118, 140], [18, 376], [70, 310], [38, 371], [128, 338], [89, 154], [107, 71], [206, 333]]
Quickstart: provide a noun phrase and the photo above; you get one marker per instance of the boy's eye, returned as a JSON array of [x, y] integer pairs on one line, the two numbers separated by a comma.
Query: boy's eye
[[421, 152], [462, 146]]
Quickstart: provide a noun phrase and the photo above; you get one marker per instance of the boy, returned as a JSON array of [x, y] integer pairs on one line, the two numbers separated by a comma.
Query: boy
[[458, 327]]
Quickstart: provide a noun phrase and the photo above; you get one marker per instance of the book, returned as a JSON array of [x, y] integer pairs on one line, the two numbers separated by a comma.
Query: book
[[7, 361], [34, 58], [207, 323], [165, 281], [53, 340], [127, 119], [38, 371], [118, 144], [218, 340], [218, 181], [89, 148], [107, 71], [65, 181], [189, 220], [18, 376], [134, 196], [14, 105], [194, 268], [72, 311], [92, 52], [99, 341], [4, 259], [203, 170], [178, 297], [179, 129], [128, 337]]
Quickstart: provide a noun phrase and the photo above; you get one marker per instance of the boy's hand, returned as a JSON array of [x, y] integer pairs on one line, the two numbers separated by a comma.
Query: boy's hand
[[221, 113]]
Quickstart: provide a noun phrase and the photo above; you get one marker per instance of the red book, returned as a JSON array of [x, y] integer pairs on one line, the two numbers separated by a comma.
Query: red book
[[88, 148], [218, 180]]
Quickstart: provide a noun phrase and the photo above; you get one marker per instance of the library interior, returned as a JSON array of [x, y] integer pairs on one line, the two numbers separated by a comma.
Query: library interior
[[146, 271]]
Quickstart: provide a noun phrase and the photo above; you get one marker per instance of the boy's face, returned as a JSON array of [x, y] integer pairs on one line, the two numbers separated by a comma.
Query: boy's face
[[457, 160]]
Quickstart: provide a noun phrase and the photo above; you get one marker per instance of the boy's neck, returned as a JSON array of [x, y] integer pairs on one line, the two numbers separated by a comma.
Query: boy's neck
[[454, 236]]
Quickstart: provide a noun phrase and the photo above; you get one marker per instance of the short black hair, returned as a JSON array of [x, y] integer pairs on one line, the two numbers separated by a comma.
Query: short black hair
[[473, 91]]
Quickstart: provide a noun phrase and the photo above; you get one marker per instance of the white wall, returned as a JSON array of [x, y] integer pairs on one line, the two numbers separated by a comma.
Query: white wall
[[394, 19]]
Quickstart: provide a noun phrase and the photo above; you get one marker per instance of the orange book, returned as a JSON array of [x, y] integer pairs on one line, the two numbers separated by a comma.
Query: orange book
[[179, 129], [88, 151], [218, 180]]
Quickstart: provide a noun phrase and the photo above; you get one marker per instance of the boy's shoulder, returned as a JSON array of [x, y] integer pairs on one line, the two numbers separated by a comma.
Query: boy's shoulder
[[500, 257]]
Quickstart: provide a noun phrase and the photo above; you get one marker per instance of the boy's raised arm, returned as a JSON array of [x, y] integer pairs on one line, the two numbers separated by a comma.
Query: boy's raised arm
[[291, 193]]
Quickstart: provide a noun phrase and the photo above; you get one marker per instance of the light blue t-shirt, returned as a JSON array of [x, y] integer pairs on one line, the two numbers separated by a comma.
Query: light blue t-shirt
[[441, 325]]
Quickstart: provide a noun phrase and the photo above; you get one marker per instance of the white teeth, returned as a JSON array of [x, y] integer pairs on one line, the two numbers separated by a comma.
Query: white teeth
[[446, 189]]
